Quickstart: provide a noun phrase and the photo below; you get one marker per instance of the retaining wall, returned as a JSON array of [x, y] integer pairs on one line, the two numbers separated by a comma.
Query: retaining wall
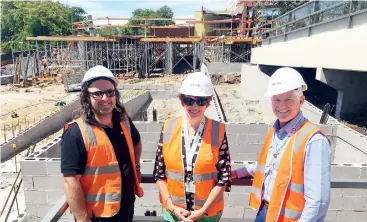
[[46, 127]]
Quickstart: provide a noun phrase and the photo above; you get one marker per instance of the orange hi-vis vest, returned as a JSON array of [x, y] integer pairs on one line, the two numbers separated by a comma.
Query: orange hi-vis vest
[[287, 198], [205, 173], [101, 181]]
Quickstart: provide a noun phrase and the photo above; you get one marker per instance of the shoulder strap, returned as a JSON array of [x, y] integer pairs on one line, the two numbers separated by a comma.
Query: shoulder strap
[[169, 126]]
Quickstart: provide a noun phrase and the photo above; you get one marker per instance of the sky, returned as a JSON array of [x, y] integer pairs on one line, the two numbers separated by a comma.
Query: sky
[[124, 8]]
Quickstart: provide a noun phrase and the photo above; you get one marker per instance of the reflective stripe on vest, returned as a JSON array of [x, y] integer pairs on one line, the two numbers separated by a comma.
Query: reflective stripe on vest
[[289, 206], [102, 168], [105, 197], [201, 203], [197, 177], [205, 173]]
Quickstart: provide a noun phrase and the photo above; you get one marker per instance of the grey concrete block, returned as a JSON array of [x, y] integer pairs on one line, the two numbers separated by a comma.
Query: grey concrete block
[[147, 168], [53, 196], [149, 187], [233, 212], [351, 216], [148, 155], [258, 128], [249, 213], [149, 147], [141, 126], [235, 148], [238, 199], [364, 172], [331, 215], [31, 210], [48, 183], [236, 128], [34, 167], [150, 199], [240, 189], [42, 210], [155, 127], [232, 138], [342, 203], [150, 137], [249, 138], [244, 157], [53, 167], [27, 182], [347, 172], [35, 197], [252, 148]]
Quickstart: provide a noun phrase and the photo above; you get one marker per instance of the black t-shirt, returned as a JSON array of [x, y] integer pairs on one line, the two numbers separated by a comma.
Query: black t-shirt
[[74, 155]]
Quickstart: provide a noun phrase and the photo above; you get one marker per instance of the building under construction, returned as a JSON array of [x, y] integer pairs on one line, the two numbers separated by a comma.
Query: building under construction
[[143, 55]]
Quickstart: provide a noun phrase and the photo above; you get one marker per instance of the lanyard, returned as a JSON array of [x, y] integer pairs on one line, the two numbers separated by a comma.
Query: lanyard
[[192, 150]]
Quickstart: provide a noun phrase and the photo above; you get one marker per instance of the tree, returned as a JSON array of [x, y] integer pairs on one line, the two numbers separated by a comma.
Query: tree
[[162, 12], [25, 18]]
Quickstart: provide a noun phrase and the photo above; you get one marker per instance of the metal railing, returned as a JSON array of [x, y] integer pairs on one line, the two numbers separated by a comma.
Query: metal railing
[[61, 206], [15, 188], [314, 13]]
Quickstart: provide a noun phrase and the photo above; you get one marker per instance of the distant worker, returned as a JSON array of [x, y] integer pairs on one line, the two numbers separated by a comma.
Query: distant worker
[[192, 168], [44, 65], [292, 176], [100, 153], [44, 62]]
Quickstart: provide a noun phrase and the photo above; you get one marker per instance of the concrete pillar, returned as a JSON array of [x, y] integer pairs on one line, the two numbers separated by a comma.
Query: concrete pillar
[[351, 86]]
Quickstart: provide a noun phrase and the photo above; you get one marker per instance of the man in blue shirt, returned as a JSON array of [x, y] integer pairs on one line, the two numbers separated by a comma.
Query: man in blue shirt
[[286, 88]]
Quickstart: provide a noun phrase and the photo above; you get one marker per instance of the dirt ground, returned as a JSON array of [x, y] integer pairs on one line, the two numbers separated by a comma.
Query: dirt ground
[[237, 109], [30, 104]]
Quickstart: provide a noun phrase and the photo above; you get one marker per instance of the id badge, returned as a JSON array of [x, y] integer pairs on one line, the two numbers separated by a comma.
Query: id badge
[[190, 187]]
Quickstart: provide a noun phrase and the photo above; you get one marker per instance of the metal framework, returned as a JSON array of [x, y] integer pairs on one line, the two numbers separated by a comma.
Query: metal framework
[[71, 56]]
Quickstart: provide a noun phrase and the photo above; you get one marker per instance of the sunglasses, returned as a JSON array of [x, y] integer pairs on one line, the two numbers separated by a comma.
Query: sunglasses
[[99, 94], [200, 101]]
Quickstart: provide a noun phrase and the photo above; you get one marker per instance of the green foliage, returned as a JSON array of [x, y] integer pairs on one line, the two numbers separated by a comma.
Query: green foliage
[[20, 19], [162, 12]]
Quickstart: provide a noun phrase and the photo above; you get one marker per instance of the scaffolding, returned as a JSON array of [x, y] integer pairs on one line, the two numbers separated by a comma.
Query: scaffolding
[[68, 57]]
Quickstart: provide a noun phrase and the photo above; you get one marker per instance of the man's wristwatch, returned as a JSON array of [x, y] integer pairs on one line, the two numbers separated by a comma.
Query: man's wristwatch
[[137, 167]]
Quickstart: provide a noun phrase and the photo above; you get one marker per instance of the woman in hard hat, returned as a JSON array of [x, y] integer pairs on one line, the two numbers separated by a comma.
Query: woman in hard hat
[[192, 168]]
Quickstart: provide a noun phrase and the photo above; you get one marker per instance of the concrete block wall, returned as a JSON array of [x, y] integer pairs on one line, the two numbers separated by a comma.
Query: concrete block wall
[[43, 185], [43, 188]]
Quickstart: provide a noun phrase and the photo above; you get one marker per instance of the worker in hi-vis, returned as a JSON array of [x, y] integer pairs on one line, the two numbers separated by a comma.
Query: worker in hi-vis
[[100, 153], [192, 168], [291, 180]]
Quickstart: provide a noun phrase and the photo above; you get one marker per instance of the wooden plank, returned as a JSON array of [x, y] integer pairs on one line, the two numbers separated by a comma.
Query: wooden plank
[[181, 40], [74, 38], [237, 20], [145, 18]]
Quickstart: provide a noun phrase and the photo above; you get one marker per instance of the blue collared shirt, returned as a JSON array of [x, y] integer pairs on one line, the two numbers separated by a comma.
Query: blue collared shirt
[[316, 170]]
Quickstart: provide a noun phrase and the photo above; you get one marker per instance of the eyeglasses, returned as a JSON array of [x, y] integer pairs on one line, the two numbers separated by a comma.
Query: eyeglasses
[[99, 94], [200, 101]]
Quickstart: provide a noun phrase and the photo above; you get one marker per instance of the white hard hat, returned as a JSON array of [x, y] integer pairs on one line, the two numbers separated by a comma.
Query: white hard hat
[[284, 80], [197, 84], [98, 72]]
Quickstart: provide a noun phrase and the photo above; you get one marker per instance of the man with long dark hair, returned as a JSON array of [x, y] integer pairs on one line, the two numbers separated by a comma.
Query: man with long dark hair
[[100, 153]]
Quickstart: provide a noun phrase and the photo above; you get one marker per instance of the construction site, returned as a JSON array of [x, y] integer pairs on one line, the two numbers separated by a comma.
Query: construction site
[[40, 91]]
